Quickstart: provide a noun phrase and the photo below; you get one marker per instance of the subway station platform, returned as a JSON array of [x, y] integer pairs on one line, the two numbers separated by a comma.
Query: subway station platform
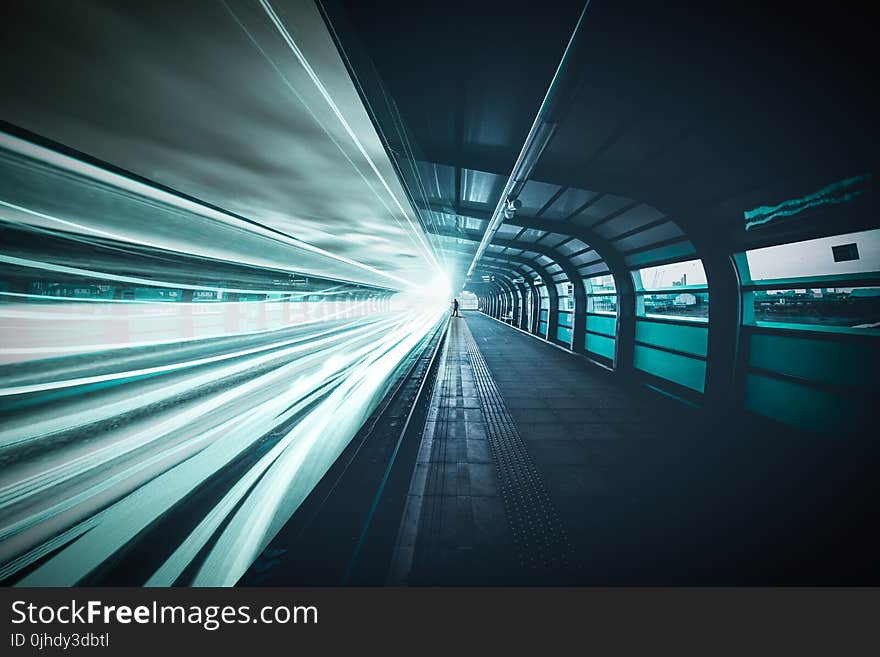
[[225, 351], [536, 466]]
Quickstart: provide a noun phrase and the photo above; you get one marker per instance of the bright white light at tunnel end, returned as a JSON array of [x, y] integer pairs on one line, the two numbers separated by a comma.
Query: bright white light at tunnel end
[[434, 293]]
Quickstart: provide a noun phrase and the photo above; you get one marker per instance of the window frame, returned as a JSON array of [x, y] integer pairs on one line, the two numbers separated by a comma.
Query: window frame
[[641, 292]]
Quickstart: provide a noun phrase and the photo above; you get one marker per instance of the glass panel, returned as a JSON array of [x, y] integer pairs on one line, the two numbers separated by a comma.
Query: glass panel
[[506, 231], [570, 201], [853, 253], [584, 258], [694, 305], [804, 406], [815, 360], [574, 246], [602, 304], [607, 326], [857, 308], [599, 344], [600, 284], [531, 235], [469, 223], [480, 187], [640, 240], [688, 339], [676, 274], [553, 239], [566, 295], [683, 370]]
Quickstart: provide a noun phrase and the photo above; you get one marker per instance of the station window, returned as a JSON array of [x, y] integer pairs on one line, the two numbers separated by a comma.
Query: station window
[[677, 290], [811, 311], [565, 291], [565, 316], [828, 283], [545, 307], [601, 294], [851, 307], [544, 295], [601, 326], [855, 253]]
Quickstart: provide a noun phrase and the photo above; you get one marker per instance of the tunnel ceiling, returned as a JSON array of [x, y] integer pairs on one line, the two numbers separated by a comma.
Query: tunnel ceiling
[[383, 134], [679, 119]]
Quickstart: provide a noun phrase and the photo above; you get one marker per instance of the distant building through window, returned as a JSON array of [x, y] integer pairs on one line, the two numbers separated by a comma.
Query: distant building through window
[[659, 295], [826, 256], [828, 282]]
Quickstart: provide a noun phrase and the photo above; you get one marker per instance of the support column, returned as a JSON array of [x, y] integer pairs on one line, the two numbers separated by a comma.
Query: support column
[[552, 311], [725, 320], [579, 321]]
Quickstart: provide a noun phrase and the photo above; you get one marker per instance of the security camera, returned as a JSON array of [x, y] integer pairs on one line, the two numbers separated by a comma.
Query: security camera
[[511, 206]]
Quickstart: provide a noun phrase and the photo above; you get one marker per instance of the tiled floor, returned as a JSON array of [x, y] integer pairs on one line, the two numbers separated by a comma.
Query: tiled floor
[[454, 529], [611, 458], [647, 490]]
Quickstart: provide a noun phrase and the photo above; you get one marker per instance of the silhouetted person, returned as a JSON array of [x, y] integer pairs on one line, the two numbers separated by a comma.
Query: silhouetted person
[[455, 308]]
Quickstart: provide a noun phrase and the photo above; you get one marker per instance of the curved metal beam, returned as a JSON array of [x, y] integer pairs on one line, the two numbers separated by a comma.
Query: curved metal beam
[[721, 391], [579, 323], [529, 310], [516, 293], [626, 295], [496, 290], [559, 94], [551, 289], [508, 291], [568, 269]]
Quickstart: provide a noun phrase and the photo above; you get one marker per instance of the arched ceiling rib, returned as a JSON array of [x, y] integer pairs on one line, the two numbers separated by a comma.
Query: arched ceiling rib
[[673, 128]]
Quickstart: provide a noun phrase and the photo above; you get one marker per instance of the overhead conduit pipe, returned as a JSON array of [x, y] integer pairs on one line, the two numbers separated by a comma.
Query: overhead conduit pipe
[[559, 94]]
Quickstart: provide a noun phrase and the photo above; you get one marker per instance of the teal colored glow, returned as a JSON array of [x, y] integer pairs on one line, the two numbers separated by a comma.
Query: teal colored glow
[[600, 345], [604, 325], [817, 361], [683, 370], [690, 339], [819, 328], [563, 334], [804, 407], [833, 194]]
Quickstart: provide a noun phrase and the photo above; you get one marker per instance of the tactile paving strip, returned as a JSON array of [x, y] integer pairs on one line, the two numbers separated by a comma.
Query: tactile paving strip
[[542, 543]]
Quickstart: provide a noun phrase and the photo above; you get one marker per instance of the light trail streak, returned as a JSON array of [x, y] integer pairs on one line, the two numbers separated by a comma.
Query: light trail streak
[[47, 350], [46, 386], [409, 228], [139, 467], [207, 418], [86, 172], [175, 378], [282, 30]]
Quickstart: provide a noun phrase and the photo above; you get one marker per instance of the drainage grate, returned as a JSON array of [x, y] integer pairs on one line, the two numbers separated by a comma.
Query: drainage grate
[[542, 543]]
